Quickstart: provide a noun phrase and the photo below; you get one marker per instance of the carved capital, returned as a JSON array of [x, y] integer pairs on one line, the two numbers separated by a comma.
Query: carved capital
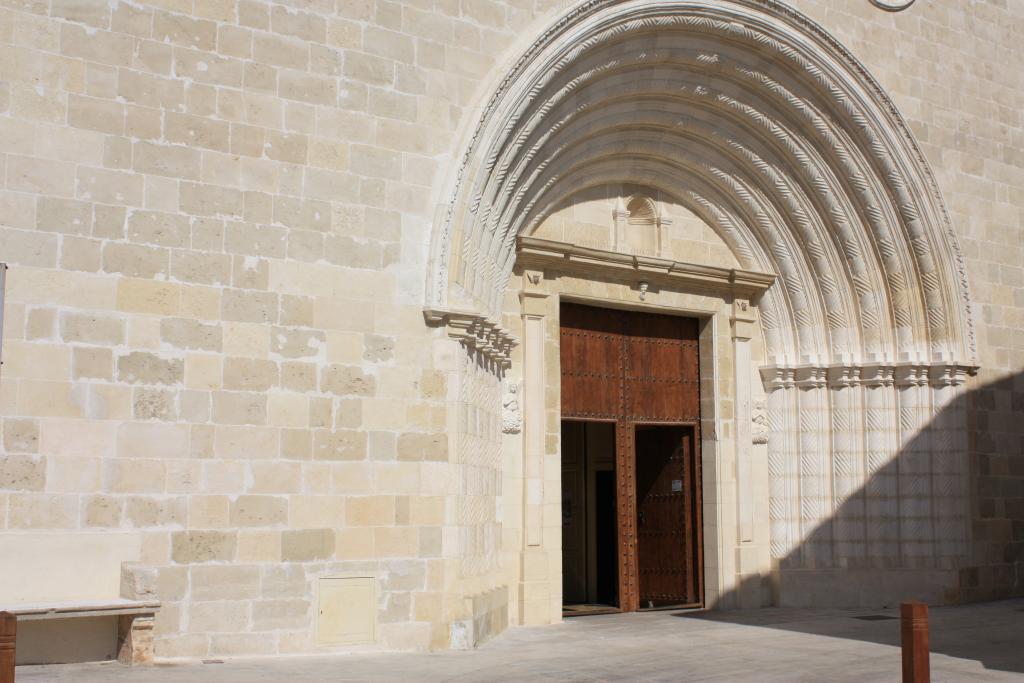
[[877, 375], [777, 377], [949, 374], [842, 376], [911, 374], [811, 376]]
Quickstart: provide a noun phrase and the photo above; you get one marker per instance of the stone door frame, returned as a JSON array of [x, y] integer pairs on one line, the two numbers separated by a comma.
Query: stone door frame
[[736, 544]]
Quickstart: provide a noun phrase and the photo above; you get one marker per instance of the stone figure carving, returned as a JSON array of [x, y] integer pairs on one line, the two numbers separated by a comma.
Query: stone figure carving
[[759, 426], [511, 414]]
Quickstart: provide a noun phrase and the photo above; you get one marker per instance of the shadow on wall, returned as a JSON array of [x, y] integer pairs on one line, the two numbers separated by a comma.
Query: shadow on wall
[[901, 558]]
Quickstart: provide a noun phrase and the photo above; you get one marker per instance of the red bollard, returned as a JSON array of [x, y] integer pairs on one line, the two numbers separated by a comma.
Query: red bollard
[[8, 631], [914, 636]]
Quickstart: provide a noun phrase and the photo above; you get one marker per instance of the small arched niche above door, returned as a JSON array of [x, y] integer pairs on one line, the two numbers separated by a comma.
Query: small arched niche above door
[[638, 229]]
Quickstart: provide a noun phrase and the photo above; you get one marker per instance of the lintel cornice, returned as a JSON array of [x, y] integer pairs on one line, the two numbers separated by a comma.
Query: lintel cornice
[[533, 252]]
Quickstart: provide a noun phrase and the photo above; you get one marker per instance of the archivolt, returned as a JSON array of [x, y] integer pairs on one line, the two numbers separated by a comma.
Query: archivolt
[[759, 121]]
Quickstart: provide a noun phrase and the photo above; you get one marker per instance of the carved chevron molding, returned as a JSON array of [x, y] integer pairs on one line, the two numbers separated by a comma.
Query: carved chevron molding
[[806, 171], [533, 252], [475, 332]]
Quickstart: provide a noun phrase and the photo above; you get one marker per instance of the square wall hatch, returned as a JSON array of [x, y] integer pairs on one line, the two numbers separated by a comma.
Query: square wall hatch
[[347, 610]]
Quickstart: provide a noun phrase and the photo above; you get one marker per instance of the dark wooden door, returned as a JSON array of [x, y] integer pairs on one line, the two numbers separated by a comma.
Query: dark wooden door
[[666, 512], [635, 368]]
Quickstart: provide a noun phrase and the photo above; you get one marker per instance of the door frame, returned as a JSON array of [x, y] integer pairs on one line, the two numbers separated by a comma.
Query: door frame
[[724, 302], [627, 420]]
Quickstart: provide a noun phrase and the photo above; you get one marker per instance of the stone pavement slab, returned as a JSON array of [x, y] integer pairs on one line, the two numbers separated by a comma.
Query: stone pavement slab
[[981, 642]]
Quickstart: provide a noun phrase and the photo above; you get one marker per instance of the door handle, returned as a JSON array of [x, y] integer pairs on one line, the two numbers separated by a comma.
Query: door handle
[[641, 517]]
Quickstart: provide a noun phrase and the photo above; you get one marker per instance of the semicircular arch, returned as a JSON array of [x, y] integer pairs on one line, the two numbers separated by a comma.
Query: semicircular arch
[[765, 126]]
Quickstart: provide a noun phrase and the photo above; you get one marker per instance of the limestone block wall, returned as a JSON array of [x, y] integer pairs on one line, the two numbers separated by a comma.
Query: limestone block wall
[[217, 215]]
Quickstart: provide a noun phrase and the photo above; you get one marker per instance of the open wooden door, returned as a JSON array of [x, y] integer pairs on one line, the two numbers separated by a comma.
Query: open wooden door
[[641, 371], [667, 552]]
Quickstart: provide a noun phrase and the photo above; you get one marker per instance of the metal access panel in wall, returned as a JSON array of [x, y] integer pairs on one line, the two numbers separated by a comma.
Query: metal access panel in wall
[[347, 610]]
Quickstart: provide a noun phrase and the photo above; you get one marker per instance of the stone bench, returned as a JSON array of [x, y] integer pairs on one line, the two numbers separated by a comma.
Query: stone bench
[[134, 626]]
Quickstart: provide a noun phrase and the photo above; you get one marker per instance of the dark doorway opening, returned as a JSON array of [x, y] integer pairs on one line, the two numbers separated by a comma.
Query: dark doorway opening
[[590, 572]]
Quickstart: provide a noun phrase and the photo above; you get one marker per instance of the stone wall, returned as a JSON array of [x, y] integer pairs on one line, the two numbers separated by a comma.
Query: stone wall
[[217, 214]]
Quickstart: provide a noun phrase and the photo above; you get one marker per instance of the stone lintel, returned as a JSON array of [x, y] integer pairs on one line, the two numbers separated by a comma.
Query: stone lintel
[[533, 252]]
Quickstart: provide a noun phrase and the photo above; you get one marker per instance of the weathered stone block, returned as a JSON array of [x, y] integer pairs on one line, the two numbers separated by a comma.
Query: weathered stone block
[[250, 374], [225, 582], [154, 404], [297, 343], [183, 30], [339, 445], [370, 511], [239, 408], [22, 472], [153, 440], [186, 333], [249, 306], [297, 376], [102, 511], [64, 215], [91, 329], [21, 435], [344, 380], [305, 545], [259, 511], [281, 614], [93, 363], [190, 547], [135, 260], [414, 446], [141, 367]]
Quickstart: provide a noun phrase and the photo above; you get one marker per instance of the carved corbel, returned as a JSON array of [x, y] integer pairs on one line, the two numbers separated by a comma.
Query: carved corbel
[[476, 332]]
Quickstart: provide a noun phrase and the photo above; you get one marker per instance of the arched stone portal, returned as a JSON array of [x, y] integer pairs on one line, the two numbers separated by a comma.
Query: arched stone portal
[[758, 122]]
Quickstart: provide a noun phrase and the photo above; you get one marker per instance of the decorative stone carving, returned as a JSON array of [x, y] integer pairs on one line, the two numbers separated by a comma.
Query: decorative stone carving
[[761, 163], [569, 258], [809, 173], [511, 413], [475, 332], [759, 424]]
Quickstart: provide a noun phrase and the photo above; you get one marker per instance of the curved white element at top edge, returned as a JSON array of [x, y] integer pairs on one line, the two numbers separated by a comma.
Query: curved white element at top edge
[[892, 6]]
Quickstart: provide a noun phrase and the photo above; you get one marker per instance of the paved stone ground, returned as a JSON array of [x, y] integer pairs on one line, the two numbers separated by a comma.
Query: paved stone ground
[[983, 642]]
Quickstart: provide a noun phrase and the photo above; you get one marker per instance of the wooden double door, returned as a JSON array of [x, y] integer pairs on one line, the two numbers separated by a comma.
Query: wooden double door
[[631, 416]]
